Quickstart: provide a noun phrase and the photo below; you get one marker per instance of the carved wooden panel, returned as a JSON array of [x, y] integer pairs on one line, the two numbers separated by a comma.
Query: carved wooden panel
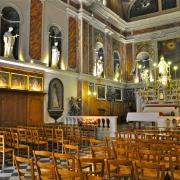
[[35, 29], [12, 109], [72, 43], [21, 108], [35, 110]]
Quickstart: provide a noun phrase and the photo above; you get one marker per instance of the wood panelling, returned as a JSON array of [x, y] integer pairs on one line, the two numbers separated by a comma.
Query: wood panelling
[[85, 47], [72, 43], [35, 109], [21, 108], [35, 29], [91, 104]]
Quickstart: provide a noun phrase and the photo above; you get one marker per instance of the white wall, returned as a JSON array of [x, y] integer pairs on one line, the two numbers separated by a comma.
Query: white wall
[[70, 89]]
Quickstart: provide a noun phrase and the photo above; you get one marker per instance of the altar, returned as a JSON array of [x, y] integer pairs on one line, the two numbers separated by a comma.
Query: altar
[[155, 118]]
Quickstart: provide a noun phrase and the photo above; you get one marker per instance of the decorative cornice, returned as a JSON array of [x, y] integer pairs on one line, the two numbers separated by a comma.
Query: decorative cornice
[[79, 76], [158, 35], [119, 23]]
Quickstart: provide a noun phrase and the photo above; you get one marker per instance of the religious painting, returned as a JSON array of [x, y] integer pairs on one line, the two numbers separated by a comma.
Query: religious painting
[[118, 95], [110, 93], [18, 81], [101, 92], [169, 49], [143, 7], [4, 79], [56, 94], [35, 83]]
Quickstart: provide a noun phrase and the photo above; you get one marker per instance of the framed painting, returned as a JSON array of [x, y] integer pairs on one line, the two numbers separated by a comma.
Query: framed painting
[[18, 81], [118, 94], [4, 79], [110, 95], [35, 83], [101, 92]]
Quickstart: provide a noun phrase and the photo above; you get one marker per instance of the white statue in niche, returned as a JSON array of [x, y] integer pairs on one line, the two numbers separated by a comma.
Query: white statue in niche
[[163, 67], [55, 55], [9, 41], [99, 66], [116, 72]]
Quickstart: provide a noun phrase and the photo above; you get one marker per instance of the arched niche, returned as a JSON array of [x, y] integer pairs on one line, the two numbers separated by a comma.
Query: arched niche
[[116, 64], [143, 69], [99, 60], [55, 47], [55, 98], [10, 18]]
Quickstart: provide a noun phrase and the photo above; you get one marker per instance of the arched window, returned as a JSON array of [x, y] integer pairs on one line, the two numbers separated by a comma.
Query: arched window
[[9, 31], [55, 47], [98, 69], [143, 7], [166, 4], [116, 61]]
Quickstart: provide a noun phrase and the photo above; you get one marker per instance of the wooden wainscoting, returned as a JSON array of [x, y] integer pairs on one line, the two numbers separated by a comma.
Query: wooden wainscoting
[[21, 107]]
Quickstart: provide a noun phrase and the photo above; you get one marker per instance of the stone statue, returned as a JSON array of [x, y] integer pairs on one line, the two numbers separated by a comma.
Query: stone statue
[[9, 41], [55, 55], [99, 67], [75, 106], [163, 67], [116, 72]]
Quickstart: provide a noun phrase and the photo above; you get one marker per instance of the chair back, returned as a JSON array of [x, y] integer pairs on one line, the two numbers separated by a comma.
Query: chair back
[[20, 162]]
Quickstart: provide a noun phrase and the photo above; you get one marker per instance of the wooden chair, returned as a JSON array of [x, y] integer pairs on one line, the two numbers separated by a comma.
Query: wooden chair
[[149, 156], [75, 150], [17, 146], [37, 140], [50, 136], [97, 142], [22, 133], [120, 168], [97, 166], [148, 171], [59, 139], [101, 152], [90, 177], [64, 161], [22, 173], [5, 151], [65, 174], [175, 165], [45, 165]]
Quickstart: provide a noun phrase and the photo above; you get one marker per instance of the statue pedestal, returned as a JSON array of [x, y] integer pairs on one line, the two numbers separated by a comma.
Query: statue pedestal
[[55, 113]]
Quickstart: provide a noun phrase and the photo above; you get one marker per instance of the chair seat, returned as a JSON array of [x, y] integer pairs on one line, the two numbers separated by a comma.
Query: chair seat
[[124, 171]]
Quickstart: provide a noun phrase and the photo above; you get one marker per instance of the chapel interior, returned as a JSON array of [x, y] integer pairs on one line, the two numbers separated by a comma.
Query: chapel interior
[[90, 73]]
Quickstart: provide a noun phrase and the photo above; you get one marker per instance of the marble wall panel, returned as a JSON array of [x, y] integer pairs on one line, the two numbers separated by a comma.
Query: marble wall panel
[[35, 29], [72, 43]]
